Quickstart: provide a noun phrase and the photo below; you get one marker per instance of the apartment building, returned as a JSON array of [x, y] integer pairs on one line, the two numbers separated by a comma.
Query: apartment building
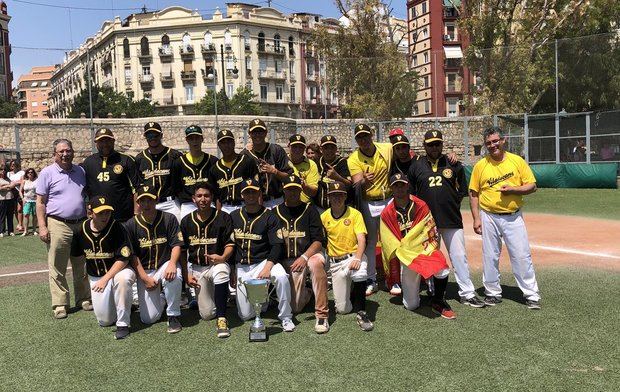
[[175, 56], [32, 92], [6, 75], [436, 47]]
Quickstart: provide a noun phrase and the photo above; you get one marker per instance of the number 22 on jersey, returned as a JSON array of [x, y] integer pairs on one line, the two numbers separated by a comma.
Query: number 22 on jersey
[[435, 181]]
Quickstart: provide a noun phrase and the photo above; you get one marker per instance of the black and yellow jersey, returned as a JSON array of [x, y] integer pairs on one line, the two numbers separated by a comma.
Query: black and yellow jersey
[[300, 226], [227, 180], [101, 249], [152, 242], [255, 236], [185, 174], [274, 155], [202, 238], [342, 168], [154, 170]]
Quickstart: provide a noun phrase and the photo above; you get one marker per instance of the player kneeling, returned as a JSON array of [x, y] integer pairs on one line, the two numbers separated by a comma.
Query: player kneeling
[[208, 246], [346, 242], [103, 242], [409, 234], [156, 240]]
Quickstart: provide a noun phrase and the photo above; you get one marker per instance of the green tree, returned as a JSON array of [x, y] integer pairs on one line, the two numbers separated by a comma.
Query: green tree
[[206, 104], [242, 103], [8, 109], [363, 62], [105, 100]]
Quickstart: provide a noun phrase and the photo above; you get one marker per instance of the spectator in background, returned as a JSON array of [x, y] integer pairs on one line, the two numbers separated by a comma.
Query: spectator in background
[[607, 152], [28, 193], [7, 204], [579, 151], [15, 175], [313, 152]]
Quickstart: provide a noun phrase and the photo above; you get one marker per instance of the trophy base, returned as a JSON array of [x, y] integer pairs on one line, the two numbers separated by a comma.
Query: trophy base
[[258, 336]]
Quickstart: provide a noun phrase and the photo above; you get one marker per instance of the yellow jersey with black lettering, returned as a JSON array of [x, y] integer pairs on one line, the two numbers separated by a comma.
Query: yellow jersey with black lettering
[[308, 172], [489, 175], [101, 249], [152, 242], [342, 231], [379, 164]]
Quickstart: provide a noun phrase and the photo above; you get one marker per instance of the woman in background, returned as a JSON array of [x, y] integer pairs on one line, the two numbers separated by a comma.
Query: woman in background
[[28, 193], [313, 151], [15, 175], [7, 204]]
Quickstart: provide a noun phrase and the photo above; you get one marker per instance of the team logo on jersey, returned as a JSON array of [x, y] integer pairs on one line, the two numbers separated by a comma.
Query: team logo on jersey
[[180, 236], [118, 169], [447, 173], [125, 251], [347, 222]]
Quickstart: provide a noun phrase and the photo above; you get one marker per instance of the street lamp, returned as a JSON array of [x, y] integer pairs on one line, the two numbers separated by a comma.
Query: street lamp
[[212, 76]]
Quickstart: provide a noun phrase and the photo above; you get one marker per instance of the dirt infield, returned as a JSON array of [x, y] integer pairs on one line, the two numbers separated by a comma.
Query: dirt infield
[[555, 240]]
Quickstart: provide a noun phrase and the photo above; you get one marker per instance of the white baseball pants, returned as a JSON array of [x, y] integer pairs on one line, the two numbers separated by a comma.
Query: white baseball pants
[[152, 303], [371, 211], [281, 282], [512, 229], [273, 203], [171, 206], [207, 277], [410, 283], [229, 208], [114, 304], [186, 209], [342, 276], [455, 244]]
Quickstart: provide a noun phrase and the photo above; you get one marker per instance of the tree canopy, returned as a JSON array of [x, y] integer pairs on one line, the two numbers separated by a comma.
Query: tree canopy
[[8, 109], [242, 103], [106, 100]]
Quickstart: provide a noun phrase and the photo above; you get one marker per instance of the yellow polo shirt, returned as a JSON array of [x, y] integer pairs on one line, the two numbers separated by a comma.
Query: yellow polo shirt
[[342, 232], [379, 164], [489, 175], [308, 171]]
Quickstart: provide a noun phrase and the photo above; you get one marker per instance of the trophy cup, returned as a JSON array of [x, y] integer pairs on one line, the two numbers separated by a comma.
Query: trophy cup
[[257, 293]]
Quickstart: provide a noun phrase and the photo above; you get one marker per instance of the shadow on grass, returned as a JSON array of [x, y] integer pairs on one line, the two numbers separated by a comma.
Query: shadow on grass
[[511, 293]]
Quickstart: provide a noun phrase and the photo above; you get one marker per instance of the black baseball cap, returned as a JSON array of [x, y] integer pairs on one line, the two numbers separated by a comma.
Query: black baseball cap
[[297, 139], [291, 181], [250, 184], [100, 203], [256, 124], [328, 139], [433, 136], [146, 191], [103, 133], [361, 129], [193, 130], [399, 139], [336, 187], [152, 126], [398, 177], [225, 134]]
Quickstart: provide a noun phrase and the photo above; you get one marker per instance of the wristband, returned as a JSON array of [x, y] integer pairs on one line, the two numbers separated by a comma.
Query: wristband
[[303, 256]]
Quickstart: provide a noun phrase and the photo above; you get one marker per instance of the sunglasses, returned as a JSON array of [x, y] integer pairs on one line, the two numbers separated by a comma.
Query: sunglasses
[[434, 144]]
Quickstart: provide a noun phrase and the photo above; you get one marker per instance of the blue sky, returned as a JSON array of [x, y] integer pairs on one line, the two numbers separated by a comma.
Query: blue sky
[[51, 27]]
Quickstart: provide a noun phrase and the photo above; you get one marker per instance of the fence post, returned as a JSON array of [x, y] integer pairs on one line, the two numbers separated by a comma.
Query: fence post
[[526, 139], [588, 138], [557, 138], [495, 120], [409, 130], [272, 135], [18, 141], [466, 140], [352, 136], [245, 136], [93, 146]]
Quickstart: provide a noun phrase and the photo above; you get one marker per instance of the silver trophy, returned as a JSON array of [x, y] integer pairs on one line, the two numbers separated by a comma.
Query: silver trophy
[[257, 293]]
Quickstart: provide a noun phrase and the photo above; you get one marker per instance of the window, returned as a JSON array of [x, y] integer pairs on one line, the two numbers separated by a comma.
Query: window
[[227, 40], [261, 41], [262, 64], [291, 49], [276, 42], [312, 92], [230, 64], [334, 98], [35, 114], [452, 83], [246, 40], [310, 68], [453, 109], [34, 84], [277, 65], [35, 104], [426, 80], [248, 85], [424, 33], [189, 94], [248, 62], [414, 60], [293, 97], [279, 92], [165, 40], [146, 70], [44, 103], [187, 66], [424, 7], [427, 106], [148, 96], [208, 38], [127, 74], [126, 48], [425, 57], [187, 41], [230, 90], [450, 32], [263, 91], [43, 84], [144, 46], [414, 13], [322, 69]]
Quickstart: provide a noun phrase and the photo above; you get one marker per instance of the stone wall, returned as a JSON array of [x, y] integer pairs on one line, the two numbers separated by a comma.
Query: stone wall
[[33, 138]]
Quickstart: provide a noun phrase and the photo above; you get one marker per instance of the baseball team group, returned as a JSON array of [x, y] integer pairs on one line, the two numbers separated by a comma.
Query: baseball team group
[[164, 226]]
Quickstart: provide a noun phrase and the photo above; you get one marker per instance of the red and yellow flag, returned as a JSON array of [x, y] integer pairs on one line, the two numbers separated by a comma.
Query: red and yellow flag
[[419, 248]]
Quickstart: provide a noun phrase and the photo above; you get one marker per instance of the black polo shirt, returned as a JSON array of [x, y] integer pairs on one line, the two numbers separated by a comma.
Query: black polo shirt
[[400, 167], [256, 236], [227, 180], [342, 168], [274, 155], [206, 237], [300, 226], [114, 177], [102, 249], [185, 175], [442, 186], [152, 243], [154, 170]]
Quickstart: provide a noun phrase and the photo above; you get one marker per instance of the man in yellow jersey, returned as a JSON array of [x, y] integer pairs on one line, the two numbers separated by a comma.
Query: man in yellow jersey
[[346, 242], [496, 188], [303, 167], [370, 169]]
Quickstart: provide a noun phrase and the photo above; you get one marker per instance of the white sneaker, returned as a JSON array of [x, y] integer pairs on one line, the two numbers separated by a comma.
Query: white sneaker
[[24, 233], [321, 325], [35, 233], [371, 288], [396, 290], [288, 325]]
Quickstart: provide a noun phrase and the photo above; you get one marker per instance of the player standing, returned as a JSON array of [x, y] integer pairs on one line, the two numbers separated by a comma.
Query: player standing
[[303, 167], [332, 167]]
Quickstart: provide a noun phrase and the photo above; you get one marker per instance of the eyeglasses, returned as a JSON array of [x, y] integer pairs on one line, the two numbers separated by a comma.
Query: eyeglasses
[[492, 142]]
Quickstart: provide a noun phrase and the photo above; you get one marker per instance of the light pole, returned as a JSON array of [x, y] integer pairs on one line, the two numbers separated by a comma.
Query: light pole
[[212, 76]]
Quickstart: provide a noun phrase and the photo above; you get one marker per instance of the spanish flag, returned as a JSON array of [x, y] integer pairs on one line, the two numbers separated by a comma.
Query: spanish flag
[[419, 248]]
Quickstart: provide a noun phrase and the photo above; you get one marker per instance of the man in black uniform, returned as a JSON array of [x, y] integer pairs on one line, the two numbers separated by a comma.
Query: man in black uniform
[[332, 167], [111, 174], [156, 241], [229, 173], [190, 169], [272, 162], [302, 231], [208, 246], [154, 164], [442, 185], [402, 155], [103, 242], [258, 253]]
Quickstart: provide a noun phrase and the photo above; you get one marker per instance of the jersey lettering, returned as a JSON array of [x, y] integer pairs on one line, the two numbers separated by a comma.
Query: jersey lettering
[[435, 181]]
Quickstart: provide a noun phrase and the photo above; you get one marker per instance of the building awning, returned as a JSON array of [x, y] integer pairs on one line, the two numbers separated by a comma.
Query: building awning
[[452, 3], [453, 52], [167, 96]]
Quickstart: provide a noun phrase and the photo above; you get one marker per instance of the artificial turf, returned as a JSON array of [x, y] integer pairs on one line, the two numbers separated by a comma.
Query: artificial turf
[[571, 344]]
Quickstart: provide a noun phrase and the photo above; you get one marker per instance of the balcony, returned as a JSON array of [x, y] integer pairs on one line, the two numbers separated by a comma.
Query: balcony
[[209, 74], [309, 54], [247, 47], [165, 53], [292, 76], [311, 77], [273, 50], [228, 47], [108, 83], [207, 49], [452, 63], [450, 12], [146, 79], [453, 88], [291, 52], [275, 75], [187, 52], [107, 62], [166, 78], [188, 76], [232, 73], [450, 38]]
